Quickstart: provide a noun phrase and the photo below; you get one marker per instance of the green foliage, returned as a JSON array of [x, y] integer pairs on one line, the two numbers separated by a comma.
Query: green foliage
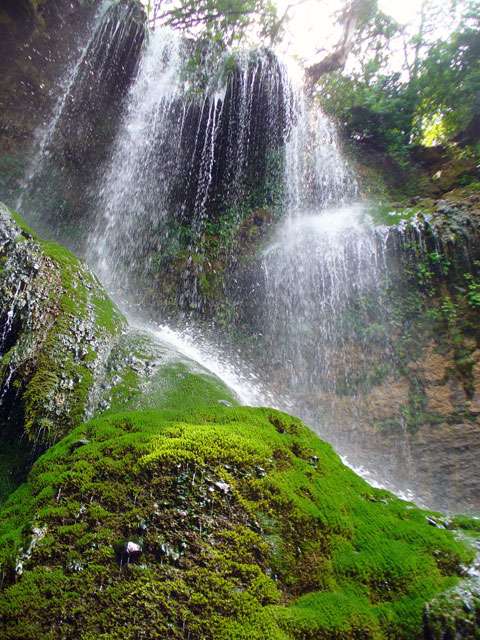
[[433, 100], [473, 291], [449, 311], [377, 110], [221, 22], [450, 77]]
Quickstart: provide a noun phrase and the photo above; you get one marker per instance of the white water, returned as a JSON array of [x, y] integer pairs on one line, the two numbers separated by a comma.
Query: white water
[[130, 198], [316, 175], [244, 384], [46, 133], [373, 480], [325, 254], [318, 264], [179, 148], [62, 145]]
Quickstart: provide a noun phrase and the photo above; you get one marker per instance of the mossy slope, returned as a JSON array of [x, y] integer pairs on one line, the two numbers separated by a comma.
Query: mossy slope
[[144, 373], [56, 328], [249, 527]]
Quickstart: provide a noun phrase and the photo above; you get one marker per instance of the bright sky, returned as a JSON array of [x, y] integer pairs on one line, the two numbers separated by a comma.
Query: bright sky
[[311, 29], [311, 23]]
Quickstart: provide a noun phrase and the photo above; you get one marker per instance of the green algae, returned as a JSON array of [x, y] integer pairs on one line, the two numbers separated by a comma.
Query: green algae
[[250, 527]]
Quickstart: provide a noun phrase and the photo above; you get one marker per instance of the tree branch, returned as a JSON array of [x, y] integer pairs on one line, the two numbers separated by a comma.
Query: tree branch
[[336, 60]]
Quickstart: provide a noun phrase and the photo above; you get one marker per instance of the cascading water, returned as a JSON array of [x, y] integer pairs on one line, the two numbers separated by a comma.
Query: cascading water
[[316, 175], [185, 156], [69, 148], [135, 189], [323, 279]]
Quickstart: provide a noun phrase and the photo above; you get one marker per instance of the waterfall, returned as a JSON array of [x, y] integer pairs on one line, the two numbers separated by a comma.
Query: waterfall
[[135, 189], [185, 156], [316, 174], [325, 260], [56, 185], [326, 318], [324, 284], [186, 150]]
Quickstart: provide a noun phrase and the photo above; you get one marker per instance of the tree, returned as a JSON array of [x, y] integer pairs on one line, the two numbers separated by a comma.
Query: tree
[[225, 21], [353, 19], [431, 96]]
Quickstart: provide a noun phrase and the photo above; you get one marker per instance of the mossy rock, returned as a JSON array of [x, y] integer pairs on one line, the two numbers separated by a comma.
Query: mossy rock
[[56, 328], [455, 614], [213, 523], [142, 372]]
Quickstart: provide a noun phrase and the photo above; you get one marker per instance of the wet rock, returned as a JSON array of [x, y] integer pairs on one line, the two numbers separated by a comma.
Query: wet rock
[[432, 522], [454, 614], [167, 552], [54, 334], [222, 486], [79, 443], [129, 551]]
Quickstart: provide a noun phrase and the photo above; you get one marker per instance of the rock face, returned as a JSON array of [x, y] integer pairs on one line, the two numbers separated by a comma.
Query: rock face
[[38, 40], [69, 63], [56, 328], [411, 412], [455, 614]]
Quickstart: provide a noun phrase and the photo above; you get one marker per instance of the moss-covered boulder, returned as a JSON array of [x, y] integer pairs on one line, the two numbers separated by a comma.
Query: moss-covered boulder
[[144, 372], [175, 513], [56, 330], [216, 522], [454, 614]]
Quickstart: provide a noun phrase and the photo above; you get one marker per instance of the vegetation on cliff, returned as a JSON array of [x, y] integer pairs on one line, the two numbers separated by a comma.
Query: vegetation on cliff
[[137, 499], [407, 103], [176, 513]]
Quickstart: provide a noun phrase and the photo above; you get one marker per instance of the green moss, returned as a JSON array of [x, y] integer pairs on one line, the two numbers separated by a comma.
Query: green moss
[[467, 523], [26, 230], [77, 319], [177, 387], [250, 527], [143, 373]]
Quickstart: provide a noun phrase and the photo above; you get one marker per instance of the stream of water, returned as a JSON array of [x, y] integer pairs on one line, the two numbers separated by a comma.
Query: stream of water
[[178, 152]]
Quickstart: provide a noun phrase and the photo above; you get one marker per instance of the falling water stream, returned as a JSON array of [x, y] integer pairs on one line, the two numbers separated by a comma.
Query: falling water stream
[[112, 42], [176, 154]]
